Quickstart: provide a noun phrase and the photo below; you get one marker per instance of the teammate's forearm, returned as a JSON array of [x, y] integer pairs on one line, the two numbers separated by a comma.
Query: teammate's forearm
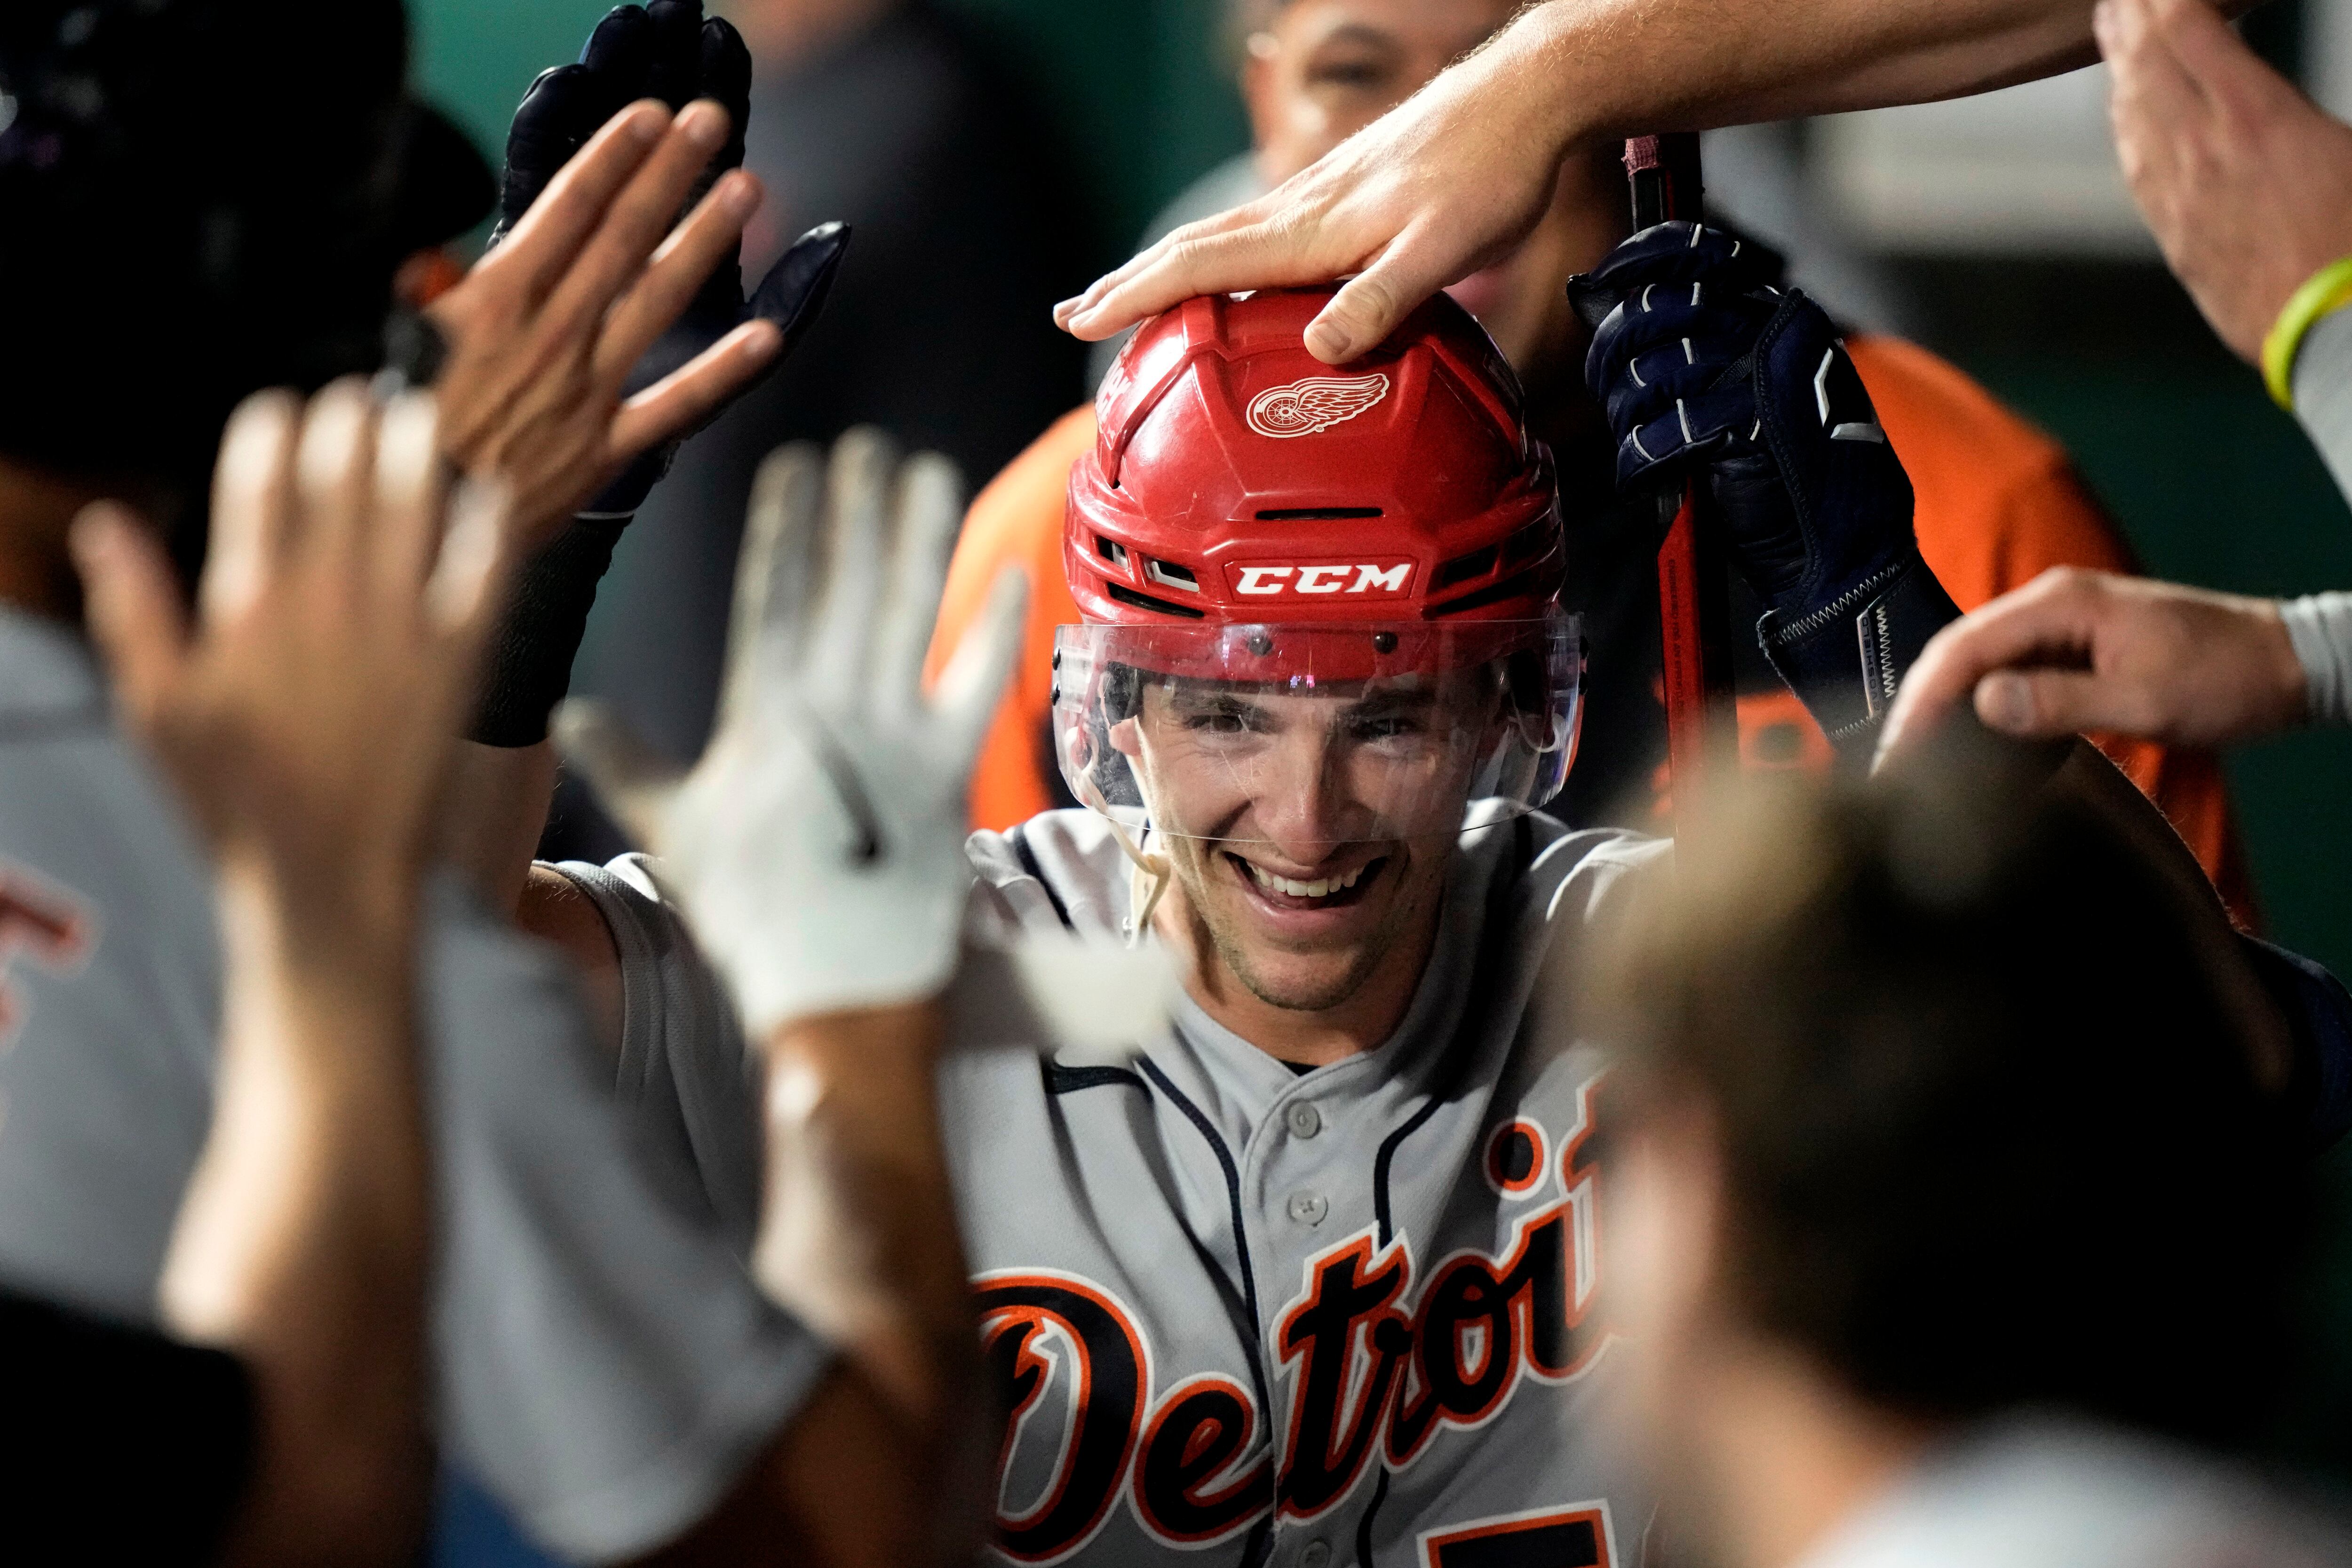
[[858, 1233], [1631, 67], [858, 1237], [303, 1245]]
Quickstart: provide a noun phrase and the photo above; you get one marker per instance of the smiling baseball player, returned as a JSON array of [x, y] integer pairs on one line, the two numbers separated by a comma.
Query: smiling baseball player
[[1312, 1276]]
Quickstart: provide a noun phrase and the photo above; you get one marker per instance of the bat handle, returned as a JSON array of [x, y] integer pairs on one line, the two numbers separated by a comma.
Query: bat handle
[[1693, 610]]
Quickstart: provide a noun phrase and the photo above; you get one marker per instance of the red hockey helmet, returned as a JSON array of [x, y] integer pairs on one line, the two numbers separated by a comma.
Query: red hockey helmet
[[1254, 527]]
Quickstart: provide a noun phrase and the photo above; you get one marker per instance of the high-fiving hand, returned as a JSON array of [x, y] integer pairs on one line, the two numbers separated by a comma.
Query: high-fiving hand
[[307, 712], [601, 328], [306, 715], [818, 845], [2246, 183]]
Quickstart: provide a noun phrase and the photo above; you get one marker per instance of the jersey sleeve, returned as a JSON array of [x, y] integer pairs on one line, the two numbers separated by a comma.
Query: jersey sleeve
[[2323, 393], [2318, 1012], [683, 1066], [608, 1367], [106, 1412]]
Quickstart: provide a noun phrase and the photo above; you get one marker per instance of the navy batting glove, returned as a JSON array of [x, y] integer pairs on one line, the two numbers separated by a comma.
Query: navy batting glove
[[666, 50], [1705, 368]]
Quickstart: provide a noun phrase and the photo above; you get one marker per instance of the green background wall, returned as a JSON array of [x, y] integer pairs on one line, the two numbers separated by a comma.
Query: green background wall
[[1135, 83]]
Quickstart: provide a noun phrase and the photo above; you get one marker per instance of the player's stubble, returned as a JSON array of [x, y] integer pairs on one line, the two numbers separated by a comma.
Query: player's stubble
[[1399, 925]]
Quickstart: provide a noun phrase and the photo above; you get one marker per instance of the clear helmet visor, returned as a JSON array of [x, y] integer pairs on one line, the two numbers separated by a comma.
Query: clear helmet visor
[[1315, 736]]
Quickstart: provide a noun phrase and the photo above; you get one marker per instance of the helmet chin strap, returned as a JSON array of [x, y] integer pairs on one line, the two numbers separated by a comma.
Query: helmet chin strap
[[1149, 879], [1145, 885]]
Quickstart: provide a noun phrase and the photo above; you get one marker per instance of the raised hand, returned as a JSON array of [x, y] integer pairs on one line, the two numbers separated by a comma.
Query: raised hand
[[666, 51], [2246, 184], [818, 844], [601, 328], [306, 713]]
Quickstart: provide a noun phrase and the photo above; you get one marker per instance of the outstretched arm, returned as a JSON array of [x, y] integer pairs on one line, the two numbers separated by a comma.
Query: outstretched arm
[[1449, 181], [817, 849], [305, 719], [2075, 651], [599, 331]]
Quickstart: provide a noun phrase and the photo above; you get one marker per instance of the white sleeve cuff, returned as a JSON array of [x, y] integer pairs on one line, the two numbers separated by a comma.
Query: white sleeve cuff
[[2320, 627], [2323, 393]]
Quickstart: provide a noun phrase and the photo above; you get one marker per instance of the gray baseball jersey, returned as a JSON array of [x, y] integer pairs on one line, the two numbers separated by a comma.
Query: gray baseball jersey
[[607, 1366], [1240, 1313]]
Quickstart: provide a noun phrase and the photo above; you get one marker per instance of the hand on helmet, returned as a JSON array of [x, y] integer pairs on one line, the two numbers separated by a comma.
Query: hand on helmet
[[1702, 363], [818, 845]]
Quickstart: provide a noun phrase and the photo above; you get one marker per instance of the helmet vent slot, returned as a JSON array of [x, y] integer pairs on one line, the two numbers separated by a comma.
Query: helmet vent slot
[[1312, 514], [1112, 551], [1168, 574], [1478, 598], [1462, 568], [1145, 601]]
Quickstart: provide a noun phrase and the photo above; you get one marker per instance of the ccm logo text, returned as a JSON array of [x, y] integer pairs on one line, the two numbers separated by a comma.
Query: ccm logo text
[[1296, 577]]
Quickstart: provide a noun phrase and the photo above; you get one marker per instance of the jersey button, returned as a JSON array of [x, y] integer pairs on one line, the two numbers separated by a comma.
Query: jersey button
[[1309, 1207], [1305, 1120], [1317, 1555]]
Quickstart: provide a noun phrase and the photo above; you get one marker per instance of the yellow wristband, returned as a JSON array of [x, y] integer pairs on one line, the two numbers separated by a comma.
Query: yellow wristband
[[2323, 293]]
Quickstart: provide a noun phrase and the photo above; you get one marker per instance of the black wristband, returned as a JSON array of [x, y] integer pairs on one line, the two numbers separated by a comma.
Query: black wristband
[[1845, 659], [529, 664]]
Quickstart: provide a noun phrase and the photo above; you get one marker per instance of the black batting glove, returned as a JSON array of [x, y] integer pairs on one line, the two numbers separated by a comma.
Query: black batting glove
[[668, 50]]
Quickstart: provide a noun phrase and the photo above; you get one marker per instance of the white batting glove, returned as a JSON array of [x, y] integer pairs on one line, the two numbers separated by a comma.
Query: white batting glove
[[817, 848]]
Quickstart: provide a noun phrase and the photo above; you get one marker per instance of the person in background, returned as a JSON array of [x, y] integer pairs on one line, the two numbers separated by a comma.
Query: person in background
[[1893, 1208], [897, 118], [288, 1422], [2247, 185], [1998, 501]]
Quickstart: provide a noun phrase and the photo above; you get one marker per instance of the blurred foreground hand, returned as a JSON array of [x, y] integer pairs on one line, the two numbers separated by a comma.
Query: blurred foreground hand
[[2076, 649], [307, 715], [818, 844], [308, 711]]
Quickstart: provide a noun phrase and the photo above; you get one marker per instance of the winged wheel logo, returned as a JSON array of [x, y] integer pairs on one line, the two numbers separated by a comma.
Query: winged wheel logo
[[1316, 403]]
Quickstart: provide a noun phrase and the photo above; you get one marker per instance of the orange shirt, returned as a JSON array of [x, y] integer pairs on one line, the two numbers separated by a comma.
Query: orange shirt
[[1998, 502]]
